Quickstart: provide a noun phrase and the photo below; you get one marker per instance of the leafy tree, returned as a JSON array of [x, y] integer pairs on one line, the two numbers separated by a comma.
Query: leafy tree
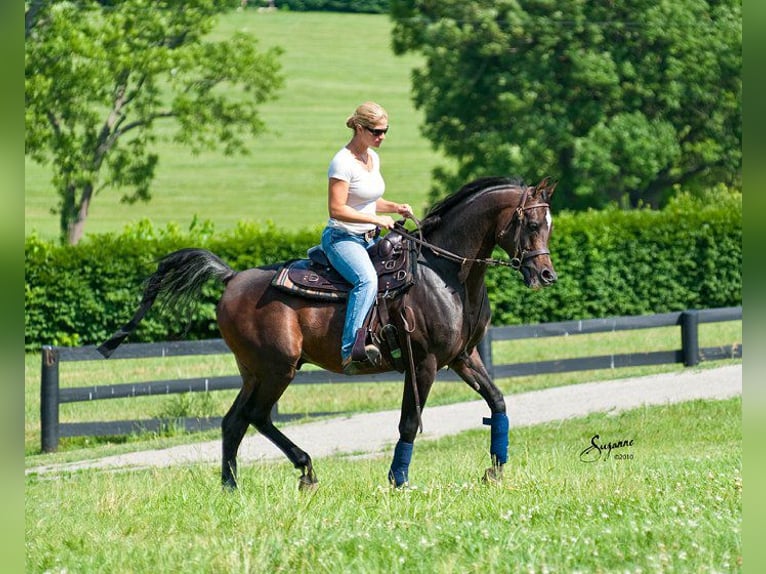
[[621, 101], [101, 75]]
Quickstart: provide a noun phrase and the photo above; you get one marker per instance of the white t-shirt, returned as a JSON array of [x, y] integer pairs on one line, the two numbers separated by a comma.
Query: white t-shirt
[[364, 187]]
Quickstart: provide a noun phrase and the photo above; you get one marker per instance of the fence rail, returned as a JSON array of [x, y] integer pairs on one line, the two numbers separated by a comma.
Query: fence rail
[[52, 396]]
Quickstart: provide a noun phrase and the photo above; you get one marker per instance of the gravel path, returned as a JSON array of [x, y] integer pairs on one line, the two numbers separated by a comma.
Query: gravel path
[[376, 433]]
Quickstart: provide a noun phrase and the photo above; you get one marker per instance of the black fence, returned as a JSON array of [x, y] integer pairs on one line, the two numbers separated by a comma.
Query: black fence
[[52, 396]]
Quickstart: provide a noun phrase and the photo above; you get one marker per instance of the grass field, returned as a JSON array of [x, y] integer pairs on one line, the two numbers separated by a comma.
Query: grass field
[[332, 62], [672, 502]]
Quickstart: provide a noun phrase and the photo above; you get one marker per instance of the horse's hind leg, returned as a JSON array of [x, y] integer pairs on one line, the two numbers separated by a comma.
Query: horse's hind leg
[[471, 369], [233, 429], [269, 390], [253, 406], [261, 418]]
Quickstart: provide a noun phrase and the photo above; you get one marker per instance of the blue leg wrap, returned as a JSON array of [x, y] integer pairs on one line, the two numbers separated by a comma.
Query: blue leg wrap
[[401, 463], [498, 446]]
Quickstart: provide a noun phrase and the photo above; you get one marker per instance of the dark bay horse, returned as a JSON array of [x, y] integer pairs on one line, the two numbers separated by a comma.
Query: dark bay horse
[[446, 312]]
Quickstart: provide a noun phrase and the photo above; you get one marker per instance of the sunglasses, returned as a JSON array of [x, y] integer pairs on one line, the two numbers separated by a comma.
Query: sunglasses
[[377, 132]]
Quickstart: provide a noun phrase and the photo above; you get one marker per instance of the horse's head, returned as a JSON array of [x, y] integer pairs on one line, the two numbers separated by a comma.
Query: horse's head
[[524, 235]]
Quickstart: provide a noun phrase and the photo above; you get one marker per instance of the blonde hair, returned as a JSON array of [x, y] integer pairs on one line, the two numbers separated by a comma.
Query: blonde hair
[[366, 115]]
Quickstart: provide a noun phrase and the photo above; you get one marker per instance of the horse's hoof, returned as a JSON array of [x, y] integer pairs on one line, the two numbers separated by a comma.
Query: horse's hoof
[[306, 484], [229, 485], [493, 475], [308, 481]]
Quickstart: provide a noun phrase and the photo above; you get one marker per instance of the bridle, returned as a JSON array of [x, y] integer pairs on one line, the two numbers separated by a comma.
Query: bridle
[[519, 214], [516, 222]]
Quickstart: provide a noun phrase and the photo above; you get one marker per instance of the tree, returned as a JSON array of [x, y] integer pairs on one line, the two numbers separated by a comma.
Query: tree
[[101, 75], [621, 101]]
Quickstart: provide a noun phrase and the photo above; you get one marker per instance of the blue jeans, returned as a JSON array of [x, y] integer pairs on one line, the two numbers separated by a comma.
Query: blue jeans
[[348, 255]]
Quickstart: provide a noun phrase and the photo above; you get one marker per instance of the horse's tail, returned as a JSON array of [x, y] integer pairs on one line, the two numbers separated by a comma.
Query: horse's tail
[[177, 282]]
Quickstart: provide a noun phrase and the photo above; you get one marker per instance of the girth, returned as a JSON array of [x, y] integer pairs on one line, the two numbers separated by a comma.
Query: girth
[[315, 278]]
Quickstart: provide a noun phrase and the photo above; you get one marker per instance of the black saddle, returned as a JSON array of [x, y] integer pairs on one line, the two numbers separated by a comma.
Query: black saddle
[[315, 278]]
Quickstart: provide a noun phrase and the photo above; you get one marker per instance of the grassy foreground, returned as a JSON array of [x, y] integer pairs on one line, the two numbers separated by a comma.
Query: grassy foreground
[[669, 503]]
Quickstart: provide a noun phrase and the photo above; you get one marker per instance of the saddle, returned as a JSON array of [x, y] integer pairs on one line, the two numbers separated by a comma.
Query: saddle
[[394, 259], [315, 278]]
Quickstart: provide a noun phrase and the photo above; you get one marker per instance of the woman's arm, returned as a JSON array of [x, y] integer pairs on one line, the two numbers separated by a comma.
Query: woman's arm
[[385, 206]]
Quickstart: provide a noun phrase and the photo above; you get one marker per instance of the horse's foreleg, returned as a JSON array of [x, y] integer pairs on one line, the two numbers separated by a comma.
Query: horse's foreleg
[[409, 422], [471, 369]]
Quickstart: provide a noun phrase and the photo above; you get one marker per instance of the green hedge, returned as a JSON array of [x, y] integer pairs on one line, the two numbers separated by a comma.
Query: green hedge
[[614, 262], [79, 295], [359, 6], [609, 263]]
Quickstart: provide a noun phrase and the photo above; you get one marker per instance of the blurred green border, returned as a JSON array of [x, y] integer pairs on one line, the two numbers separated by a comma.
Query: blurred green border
[[754, 298], [12, 286]]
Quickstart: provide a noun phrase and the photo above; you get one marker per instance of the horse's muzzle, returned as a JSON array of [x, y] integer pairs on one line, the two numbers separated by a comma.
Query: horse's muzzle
[[547, 276], [538, 277]]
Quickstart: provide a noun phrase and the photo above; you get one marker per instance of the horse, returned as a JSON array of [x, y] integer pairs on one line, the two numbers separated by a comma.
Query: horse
[[444, 315]]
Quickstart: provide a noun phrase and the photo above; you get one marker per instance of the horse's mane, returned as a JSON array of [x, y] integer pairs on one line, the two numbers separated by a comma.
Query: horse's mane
[[434, 216]]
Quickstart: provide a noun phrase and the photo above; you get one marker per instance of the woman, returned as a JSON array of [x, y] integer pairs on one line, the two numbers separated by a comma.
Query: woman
[[354, 201]]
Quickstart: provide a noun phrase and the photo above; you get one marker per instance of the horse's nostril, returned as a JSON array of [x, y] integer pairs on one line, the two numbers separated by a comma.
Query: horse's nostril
[[548, 276]]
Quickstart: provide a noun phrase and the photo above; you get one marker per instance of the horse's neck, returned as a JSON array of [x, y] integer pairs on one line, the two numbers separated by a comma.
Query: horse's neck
[[469, 233]]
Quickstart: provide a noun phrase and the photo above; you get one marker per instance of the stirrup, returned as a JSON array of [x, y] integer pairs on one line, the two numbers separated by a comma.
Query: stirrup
[[373, 359], [374, 356]]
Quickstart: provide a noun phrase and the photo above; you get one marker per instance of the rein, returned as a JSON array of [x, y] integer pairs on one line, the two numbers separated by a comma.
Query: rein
[[520, 256]]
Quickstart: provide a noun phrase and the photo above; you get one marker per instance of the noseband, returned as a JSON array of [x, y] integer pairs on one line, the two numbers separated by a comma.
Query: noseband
[[520, 256]]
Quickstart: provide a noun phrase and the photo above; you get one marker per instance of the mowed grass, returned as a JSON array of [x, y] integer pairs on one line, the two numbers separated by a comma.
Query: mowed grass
[[304, 399], [331, 63], [669, 503]]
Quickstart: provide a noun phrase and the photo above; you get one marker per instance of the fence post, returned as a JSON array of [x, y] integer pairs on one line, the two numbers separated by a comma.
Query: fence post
[[485, 352], [49, 399], [690, 338]]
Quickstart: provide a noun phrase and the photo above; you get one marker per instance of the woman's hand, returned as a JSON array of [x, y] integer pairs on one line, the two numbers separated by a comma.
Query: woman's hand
[[404, 209], [384, 221]]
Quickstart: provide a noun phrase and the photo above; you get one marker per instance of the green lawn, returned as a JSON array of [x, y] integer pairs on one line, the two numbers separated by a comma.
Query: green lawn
[[332, 62], [671, 502]]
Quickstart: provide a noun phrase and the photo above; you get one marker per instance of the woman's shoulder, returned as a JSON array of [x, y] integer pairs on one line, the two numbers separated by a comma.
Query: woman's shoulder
[[342, 165], [342, 157], [343, 154]]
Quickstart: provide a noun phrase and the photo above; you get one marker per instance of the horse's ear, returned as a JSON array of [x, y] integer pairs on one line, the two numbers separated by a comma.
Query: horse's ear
[[544, 190], [549, 191]]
